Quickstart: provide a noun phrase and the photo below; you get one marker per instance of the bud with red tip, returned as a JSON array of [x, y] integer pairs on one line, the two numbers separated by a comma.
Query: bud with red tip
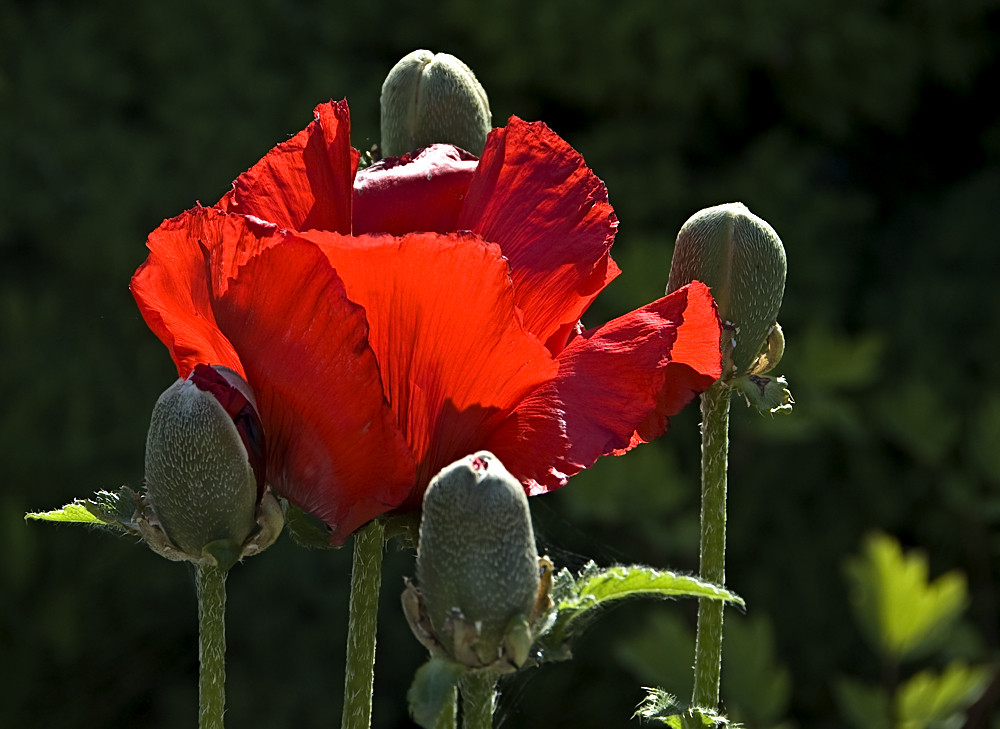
[[479, 595], [205, 462]]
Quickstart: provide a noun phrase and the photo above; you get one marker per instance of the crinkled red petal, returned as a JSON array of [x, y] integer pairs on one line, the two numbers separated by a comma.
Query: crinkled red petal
[[173, 287], [305, 182], [611, 382], [423, 191], [534, 195], [333, 444], [695, 362], [455, 359]]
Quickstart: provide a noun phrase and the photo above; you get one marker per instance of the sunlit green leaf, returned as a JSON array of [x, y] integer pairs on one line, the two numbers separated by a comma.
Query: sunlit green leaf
[[114, 509], [930, 699], [902, 611], [662, 708], [577, 599], [75, 513]]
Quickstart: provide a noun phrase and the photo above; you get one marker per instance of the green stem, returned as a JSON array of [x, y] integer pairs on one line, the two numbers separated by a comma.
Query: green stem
[[714, 457], [210, 583], [478, 692], [366, 579]]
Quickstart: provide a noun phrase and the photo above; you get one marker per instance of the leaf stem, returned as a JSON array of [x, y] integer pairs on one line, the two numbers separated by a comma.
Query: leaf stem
[[714, 458], [210, 584], [478, 692], [366, 580]]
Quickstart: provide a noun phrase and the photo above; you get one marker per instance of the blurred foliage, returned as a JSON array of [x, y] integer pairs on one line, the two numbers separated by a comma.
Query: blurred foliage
[[906, 616], [866, 133]]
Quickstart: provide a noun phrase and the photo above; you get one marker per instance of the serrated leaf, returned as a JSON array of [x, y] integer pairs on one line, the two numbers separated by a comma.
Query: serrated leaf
[[930, 699], [663, 708], [115, 506], [595, 587], [431, 696], [113, 509], [770, 395], [900, 609], [75, 513]]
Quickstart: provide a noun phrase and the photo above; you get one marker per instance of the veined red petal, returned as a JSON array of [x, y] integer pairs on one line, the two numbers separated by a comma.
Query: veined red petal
[[423, 191], [305, 182], [173, 286], [611, 382], [534, 195], [454, 357], [333, 444], [695, 362]]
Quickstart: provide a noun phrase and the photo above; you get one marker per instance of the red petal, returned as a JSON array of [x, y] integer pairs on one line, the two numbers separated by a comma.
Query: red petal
[[333, 445], [611, 382], [172, 287], [454, 357], [306, 182], [695, 361], [534, 195], [422, 192]]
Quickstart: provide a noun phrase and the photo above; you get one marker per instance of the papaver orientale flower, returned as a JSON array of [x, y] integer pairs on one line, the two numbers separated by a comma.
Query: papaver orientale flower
[[394, 320]]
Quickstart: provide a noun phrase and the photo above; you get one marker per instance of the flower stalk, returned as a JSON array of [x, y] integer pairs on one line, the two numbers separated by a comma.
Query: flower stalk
[[210, 582], [478, 692], [714, 458], [366, 581]]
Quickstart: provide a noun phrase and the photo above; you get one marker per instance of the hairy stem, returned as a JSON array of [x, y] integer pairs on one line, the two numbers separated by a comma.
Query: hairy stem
[[210, 583], [366, 580], [714, 457], [478, 691]]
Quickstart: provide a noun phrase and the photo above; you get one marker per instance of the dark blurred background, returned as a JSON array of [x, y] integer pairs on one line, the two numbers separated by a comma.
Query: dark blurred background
[[867, 133]]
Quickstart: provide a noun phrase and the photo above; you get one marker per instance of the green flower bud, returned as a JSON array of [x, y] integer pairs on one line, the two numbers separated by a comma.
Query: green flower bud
[[204, 470], [429, 98], [742, 259], [477, 566]]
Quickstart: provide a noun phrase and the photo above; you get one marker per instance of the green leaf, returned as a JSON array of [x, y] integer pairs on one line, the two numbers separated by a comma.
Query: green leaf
[[901, 611], [866, 707], [432, 694], [75, 513], [665, 709], [595, 587], [929, 699], [114, 509], [770, 395]]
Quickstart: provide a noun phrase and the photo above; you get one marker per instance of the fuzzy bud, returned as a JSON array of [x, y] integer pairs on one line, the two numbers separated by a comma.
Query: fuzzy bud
[[477, 564], [429, 98], [204, 465], [741, 258]]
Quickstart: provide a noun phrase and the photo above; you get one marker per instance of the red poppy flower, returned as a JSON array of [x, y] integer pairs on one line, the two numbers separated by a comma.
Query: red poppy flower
[[438, 318]]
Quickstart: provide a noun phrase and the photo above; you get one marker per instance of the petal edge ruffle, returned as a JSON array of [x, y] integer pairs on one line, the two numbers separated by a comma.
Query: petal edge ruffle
[[615, 384]]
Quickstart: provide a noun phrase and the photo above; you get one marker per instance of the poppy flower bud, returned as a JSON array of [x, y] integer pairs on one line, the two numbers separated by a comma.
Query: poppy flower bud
[[205, 465], [429, 98], [741, 258], [477, 564]]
